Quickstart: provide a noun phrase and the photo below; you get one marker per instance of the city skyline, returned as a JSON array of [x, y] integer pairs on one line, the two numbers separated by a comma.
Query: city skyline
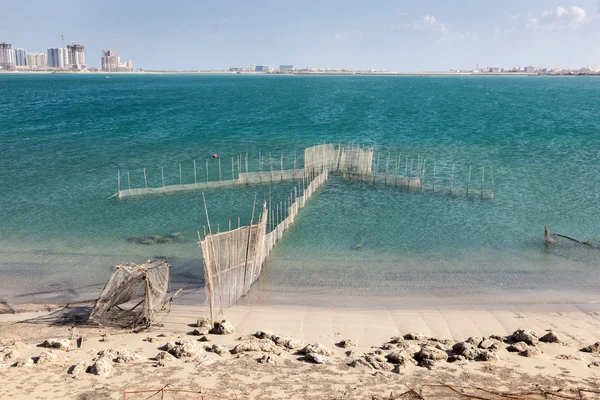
[[386, 35]]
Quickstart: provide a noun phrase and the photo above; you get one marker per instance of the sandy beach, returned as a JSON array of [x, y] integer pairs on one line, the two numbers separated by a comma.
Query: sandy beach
[[364, 368]]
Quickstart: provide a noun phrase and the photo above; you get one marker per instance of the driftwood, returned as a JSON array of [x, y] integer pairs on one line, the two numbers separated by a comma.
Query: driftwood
[[549, 240]]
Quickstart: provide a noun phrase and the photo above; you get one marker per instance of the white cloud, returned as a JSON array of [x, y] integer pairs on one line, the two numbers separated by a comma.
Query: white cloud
[[560, 18], [431, 24]]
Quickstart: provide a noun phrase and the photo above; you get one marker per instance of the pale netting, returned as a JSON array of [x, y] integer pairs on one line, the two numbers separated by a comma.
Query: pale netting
[[133, 295], [233, 260], [356, 160]]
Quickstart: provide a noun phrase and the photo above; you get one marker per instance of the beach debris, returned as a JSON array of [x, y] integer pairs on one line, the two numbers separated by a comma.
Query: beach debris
[[163, 335], [24, 362], [594, 364], [396, 339], [78, 368], [517, 347], [547, 237], [46, 357], [522, 335], [105, 338], [568, 357], [401, 357], [264, 335], [414, 336], [372, 361], [219, 349], [467, 350], [315, 358], [267, 359], [165, 356], [224, 327], [316, 348], [550, 337], [183, 349], [474, 340], [12, 355], [125, 356], [354, 354], [427, 363], [429, 352], [205, 338], [150, 339], [120, 305], [531, 352], [101, 367], [347, 343], [287, 342], [593, 348], [246, 337], [204, 360], [204, 326], [388, 346], [487, 355], [61, 344], [491, 344], [264, 345]]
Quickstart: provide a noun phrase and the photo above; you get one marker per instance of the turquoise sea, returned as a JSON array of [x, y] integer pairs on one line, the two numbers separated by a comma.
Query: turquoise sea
[[64, 137]]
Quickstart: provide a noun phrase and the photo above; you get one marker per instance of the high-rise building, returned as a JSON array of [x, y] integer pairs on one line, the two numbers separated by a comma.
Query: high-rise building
[[56, 57], [21, 57], [36, 60], [7, 56], [76, 56], [286, 67], [111, 62]]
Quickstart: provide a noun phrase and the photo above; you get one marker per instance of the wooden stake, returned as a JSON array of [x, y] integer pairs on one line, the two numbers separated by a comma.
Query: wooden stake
[[207, 170], [294, 166], [232, 171], [145, 180], [469, 181], [195, 173], [128, 182], [162, 174], [220, 180], [406, 174], [118, 182], [281, 167], [180, 177], [397, 166], [247, 176]]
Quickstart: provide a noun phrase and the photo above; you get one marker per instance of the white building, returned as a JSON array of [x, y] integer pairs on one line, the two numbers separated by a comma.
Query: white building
[[21, 57], [76, 56], [36, 60], [111, 62], [56, 57], [7, 56]]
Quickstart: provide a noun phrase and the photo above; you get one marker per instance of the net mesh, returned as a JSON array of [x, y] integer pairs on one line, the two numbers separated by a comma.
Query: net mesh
[[133, 295]]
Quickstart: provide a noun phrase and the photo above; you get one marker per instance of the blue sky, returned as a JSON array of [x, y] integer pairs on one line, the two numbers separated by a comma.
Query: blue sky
[[386, 35]]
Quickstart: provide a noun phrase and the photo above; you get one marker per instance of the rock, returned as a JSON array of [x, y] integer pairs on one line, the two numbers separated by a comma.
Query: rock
[[46, 357], [160, 363], [163, 335], [288, 342], [354, 354], [62, 344], [498, 338], [456, 358], [5, 365], [568, 357], [165, 356], [474, 341], [396, 339], [517, 347], [264, 335], [204, 360], [11, 356], [593, 348], [105, 337], [223, 327], [219, 349], [388, 346], [108, 353], [316, 348], [101, 367], [25, 362], [125, 356], [315, 358], [441, 346], [150, 339], [429, 352], [263, 345], [201, 331], [372, 361], [203, 322], [531, 352], [347, 343], [522, 335], [17, 345], [78, 368], [466, 349], [491, 344], [550, 337], [267, 359], [427, 363], [414, 336], [246, 337], [401, 357], [487, 355], [185, 349], [595, 364]]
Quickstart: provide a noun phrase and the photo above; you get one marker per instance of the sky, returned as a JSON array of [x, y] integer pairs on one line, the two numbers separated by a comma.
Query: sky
[[424, 35]]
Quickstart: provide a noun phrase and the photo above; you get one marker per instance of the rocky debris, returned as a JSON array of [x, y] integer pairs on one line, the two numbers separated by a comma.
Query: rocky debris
[[267, 359], [441, 346], [184, 349], [372, 361], [593, 348], [5, 365], [264, 335], [105, 337], [354, 354], [595, 364], [204, 360], [517, 347], [246, 337], [429, 352], [264, 345], [150, 339], [487, 355], [204, 327], [401, 357], [219, 349], [24, 362], [568, 357], [125, 356], [522, 335], [16, 346], [550, 337], [163, 335], [200, 331], [108, 353], [62, 344], [316, 348], [288, 342], [396, 339], [498, 338], [531, 352], [12, 355], [427, 363], [315, 358], [414, 336], [101, 367], [388, 346], [347, 343], [46, 357], [223, 327], [491, 344], [165, 356], [205, 338], [474, 341], [467, 350], [78, 368]]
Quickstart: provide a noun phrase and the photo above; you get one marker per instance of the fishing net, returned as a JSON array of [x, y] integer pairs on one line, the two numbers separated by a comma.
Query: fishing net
[[133, 295]]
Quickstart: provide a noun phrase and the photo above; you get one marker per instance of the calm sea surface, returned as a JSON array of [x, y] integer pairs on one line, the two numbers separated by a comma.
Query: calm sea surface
[[64, 137]]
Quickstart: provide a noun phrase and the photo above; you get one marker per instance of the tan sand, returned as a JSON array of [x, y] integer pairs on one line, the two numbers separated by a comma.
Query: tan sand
[[243, 377]]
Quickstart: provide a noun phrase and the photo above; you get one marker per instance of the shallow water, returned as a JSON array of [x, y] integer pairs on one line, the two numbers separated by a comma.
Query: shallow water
[[63, 138]]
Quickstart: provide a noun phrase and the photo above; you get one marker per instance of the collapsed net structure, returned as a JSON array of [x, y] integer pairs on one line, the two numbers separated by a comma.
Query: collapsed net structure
[[233, 260], [133, 295]]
